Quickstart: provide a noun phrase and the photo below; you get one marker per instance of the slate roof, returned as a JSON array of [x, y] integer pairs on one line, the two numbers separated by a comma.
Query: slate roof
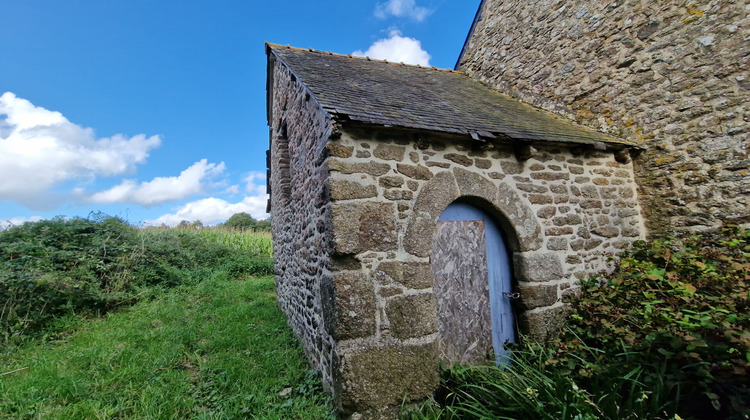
[[398, 95]]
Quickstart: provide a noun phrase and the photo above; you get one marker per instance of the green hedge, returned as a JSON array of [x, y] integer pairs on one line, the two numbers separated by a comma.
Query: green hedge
[[59, 267]]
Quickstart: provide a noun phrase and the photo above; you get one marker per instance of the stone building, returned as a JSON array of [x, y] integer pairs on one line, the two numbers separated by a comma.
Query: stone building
[[669, 75], [419, 215]]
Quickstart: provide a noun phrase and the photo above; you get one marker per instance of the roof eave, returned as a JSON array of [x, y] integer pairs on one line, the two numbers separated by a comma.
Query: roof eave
[[344, 120], [270, 52], [476, 134]]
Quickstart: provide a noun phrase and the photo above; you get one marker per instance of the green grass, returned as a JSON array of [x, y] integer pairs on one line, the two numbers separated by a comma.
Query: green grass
[[103, 320], [218, 349]]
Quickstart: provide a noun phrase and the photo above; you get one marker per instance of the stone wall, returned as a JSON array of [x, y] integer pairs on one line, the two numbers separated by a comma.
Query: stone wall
[[354, 211], [301, 214], [671, 74], [564, 211]]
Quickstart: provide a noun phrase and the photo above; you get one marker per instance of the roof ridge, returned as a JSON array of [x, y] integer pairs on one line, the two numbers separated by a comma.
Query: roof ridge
[[367, 58]]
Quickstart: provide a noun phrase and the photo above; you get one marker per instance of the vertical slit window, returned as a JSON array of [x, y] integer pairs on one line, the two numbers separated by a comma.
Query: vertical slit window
[[284, 162]]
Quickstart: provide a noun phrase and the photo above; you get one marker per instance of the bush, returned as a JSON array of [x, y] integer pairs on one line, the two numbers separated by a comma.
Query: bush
[[668, 332], [59, 267], [244, 222], [679, 304], [55, 267]]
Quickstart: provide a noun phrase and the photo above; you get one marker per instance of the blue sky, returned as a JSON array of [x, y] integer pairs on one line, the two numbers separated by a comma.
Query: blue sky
[[154, 111]]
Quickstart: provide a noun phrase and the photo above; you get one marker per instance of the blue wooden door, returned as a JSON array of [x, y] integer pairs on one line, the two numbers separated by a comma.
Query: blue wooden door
[[472, 270]]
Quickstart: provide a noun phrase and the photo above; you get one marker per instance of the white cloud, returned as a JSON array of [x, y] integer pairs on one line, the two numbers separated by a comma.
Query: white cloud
[[214, 210], [397, 49], [161, 189], [232, 189], [253, 188], [401, 8], [17, 221], [41, 149]]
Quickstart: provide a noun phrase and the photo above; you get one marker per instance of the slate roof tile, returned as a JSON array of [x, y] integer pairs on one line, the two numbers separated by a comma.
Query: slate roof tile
[[379, 92]]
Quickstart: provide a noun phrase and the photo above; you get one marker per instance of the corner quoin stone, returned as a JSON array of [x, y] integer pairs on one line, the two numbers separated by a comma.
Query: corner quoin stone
[[337, 150], [350, 190], [354, 296], [376, 377], [371, 168], [364, 226]]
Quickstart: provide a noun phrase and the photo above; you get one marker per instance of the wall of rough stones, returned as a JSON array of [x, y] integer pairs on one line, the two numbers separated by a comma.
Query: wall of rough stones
[[564, 211], [671, 74], [354, 211], [301, 214]]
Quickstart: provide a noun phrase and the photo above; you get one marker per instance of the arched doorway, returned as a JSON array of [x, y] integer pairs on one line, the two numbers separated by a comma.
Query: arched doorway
[[473, 286]]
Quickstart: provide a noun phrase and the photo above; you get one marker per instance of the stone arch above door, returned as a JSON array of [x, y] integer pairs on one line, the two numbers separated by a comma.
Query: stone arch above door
[[518, 221]]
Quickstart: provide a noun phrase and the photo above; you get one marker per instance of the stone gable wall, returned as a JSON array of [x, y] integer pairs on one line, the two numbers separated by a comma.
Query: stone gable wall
[[671, 74], [564, 211], [300, 214]]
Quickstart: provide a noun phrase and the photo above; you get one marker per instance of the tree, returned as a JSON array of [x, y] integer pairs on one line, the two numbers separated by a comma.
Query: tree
[[190, 225], [240, 221], [244, 221]]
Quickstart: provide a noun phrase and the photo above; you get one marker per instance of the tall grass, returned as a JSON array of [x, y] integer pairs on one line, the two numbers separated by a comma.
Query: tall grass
[[189, 332], [531, 387], [218, 349]]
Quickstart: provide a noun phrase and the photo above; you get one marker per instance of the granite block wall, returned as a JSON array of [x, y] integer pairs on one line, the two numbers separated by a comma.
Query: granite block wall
[[565, 211], [670, 74]]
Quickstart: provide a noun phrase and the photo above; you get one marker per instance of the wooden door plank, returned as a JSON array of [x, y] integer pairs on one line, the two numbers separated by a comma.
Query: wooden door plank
[[459, 263], [499, 273]]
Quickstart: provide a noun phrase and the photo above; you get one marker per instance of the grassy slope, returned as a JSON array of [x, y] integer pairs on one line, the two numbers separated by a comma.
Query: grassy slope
[[218, 349]]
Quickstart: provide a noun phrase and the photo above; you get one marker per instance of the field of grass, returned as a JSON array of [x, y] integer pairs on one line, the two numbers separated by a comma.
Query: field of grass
[[216, 350], [104, 321], [55, 268]]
